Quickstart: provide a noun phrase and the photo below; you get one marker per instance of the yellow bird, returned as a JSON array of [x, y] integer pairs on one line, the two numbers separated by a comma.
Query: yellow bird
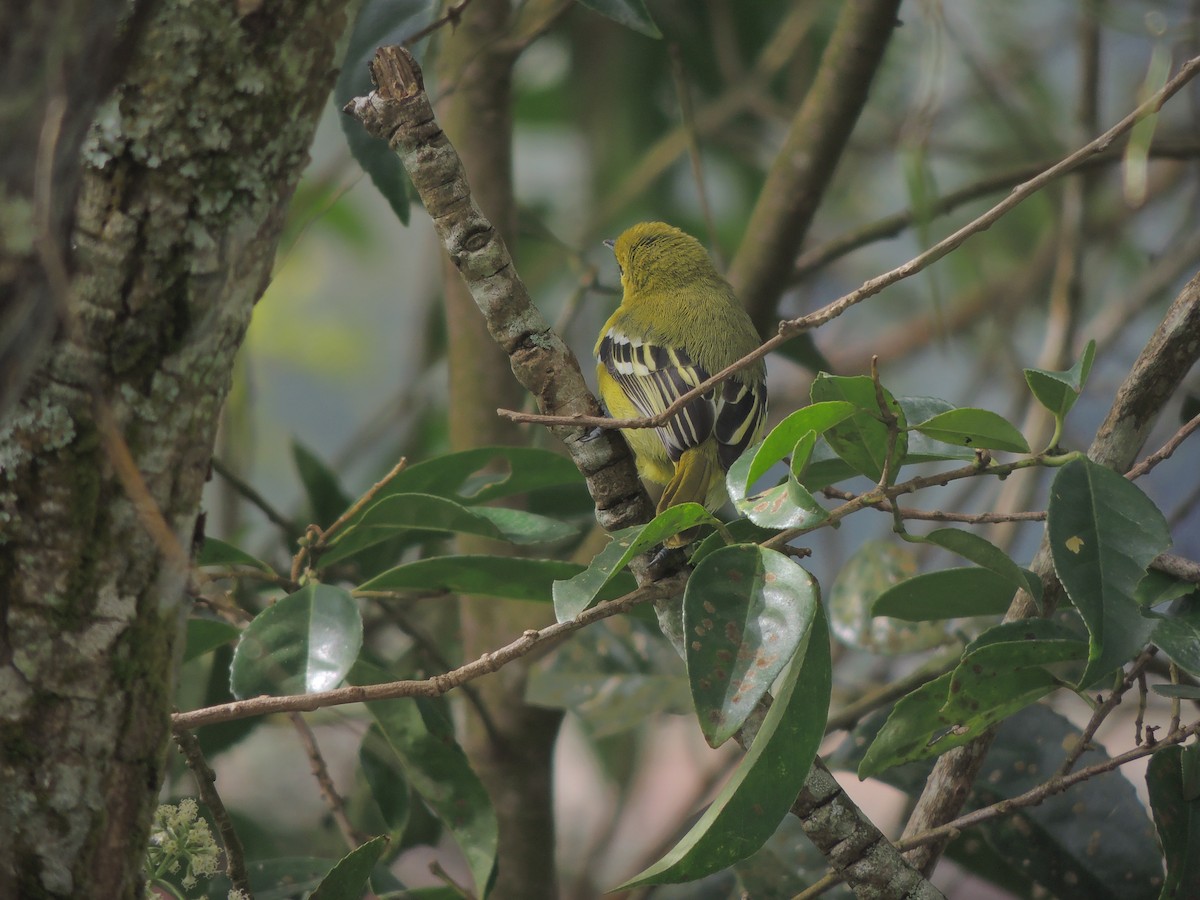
[[679, 322]]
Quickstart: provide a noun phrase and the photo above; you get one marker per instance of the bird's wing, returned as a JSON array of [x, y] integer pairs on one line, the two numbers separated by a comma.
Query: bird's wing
[[741, 412], [654, 377]]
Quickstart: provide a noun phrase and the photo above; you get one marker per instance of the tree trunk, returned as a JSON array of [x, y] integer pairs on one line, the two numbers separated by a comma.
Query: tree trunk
[[185, 181], [512, 753]]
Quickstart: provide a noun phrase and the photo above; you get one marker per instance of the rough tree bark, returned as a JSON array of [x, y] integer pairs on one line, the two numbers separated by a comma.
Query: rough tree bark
[[57, 60], [184, 183]]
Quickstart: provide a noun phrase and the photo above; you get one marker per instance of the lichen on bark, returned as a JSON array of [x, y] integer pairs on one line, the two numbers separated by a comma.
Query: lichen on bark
[[186, 177]]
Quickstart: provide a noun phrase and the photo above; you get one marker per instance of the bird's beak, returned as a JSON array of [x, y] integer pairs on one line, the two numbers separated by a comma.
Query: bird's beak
[[610, 243]]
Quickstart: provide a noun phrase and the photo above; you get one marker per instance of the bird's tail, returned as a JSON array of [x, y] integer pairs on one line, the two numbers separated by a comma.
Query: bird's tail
[[698, 477]]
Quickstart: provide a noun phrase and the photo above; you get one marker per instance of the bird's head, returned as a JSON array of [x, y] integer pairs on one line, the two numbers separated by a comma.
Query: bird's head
[[655, 254]]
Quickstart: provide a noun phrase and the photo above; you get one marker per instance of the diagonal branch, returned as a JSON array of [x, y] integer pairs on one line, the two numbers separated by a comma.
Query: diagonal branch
[[804, 166]]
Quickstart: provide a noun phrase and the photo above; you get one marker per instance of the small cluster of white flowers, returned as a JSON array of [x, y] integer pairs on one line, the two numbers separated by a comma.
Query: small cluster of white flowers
[[180, 841]]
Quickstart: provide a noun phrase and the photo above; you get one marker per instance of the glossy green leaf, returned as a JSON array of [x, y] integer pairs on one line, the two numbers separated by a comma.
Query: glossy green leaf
[[862, 439], [995, 678], [1177, 634], [302, 644], [325, 495], [745, 611], [379, 23], [348, 879], [825, 468], [219, 553], [983, 552], [787, 505], [876, 567], [389, 788], [1179, 691], [206, 635], [513, 578], [946, 594], [817, 418], [573, 596], [1158, 588], [975, 429], [426, 512], [630, 13], [1171, 777], [486, 474], [1103, 533], [922, 448], [438, 770], [763, 787], [1058, 391]]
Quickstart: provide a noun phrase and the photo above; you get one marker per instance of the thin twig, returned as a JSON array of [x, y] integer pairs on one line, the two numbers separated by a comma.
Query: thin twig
[[435, 685], [248, 493], [358, 505], [1033, 797], [820, 256], [1102, 710], [1165, 451], [937, 515], [206, 784], [351, 835], [452, 16]]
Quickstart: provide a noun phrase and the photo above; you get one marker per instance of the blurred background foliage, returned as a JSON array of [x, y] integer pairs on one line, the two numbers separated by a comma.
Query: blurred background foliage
[[344, 368]]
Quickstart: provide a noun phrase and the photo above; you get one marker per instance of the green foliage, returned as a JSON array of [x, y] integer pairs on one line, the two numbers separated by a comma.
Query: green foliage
[[306, 642], [376, 593], [748, 808]]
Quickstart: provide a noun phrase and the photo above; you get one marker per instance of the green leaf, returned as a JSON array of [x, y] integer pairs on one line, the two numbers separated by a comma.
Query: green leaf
[[977, 429], [922, 448], [817, 418], [325, 494], [1158, 588], [1176, 808], [630, 13], [1178, 635], [219, 553], [745, 611], [304, 643], [871, 571], [206, 635], [763, 787], [999, 674], [983, 552], [486, 473], [862, 439], [1180, 691], [573, 596], [512, 578], [348, 879], [438, 770], [1094, 842], [946, 594], [1104, 532], [613, 676], [399, 513], [380, 23], [787, 505], [383, 773], [282, 878], [1058, 391]]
